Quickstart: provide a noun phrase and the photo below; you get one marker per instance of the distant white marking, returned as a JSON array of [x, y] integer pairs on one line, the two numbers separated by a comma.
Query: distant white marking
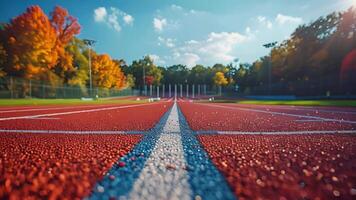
[[49, 108], [45, 118], [276, 132], [71, 112], [284, 114], [71, 132], [164, 176], [314, 109], [308, 120]]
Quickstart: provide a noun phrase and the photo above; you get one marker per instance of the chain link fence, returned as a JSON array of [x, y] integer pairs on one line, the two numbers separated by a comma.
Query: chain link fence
[[13, 88]]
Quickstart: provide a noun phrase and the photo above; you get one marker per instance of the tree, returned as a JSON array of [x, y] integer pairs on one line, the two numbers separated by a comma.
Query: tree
[[219, 79], [29, 41], [130, 81], [66, 27], [106, 73], [146, 64], [79, 52], [3, 57]]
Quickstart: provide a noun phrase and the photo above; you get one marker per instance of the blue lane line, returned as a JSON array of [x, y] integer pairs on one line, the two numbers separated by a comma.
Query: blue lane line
[[119, 180], [204, 178]]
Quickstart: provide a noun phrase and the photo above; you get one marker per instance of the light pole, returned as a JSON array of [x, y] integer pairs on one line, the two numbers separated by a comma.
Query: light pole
[[270, 45], [90, 43]]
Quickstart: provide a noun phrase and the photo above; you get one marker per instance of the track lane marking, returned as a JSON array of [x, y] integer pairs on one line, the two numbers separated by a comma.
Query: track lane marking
[[171, 141], [282, 113], [71, 132], [168, 183], [71, 112], [277, 132], [50, 108], [303, 108]]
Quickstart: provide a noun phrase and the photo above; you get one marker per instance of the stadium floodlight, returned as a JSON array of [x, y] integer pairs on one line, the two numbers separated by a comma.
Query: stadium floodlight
[[270, 45], [90, 43]]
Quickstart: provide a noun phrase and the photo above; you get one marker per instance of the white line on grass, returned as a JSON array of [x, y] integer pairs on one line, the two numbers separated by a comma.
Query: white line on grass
[[284, 114], [71, 112]]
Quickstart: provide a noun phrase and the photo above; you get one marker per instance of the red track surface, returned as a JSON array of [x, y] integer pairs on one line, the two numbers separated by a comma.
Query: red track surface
[[227, 118], [142, 117], [286, 166], [346, 113], [45, 166]]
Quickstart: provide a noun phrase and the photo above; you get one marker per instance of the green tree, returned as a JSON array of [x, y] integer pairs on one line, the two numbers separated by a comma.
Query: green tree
[[146, 64]]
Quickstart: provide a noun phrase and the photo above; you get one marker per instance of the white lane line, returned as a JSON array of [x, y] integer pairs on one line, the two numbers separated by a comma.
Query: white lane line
[[70, 132], [49, 108], [313, 109], [71, 112], [308, 120], [164, 175], [46, 118], [284, 114], [277, 132]]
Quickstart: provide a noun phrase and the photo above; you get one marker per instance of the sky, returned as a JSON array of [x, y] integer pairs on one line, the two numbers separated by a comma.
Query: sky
[[185, 31]]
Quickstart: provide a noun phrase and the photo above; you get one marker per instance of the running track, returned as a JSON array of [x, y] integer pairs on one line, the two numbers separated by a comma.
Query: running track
[[182, 150]]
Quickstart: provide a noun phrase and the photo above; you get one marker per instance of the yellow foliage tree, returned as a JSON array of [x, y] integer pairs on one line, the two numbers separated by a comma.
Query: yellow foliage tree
[[106, 72], [65, 26], [219, 79], [3, 58], [29, 41]]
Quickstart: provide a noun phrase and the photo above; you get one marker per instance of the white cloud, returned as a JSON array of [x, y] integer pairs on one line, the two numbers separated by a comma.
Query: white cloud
[[159, 24], [156, 59], [168, 42], [128, 19], [285, 19], [191, 42], [100, 14], [176, 7], [190, 59], [111, 17], [113, 21], [264, 21], [216, 48]]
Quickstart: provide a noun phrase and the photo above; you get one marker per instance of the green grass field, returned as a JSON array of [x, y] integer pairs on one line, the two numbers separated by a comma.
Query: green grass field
[[28, 102]]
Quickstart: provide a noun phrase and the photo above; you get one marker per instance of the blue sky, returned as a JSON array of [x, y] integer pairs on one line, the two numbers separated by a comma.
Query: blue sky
[[185, 31]]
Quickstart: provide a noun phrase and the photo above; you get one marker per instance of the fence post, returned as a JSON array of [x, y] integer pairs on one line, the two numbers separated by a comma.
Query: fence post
[[187, 90], [157, 91], [181, 90], [30, 88], [175, 91], [43, 90], [64, 92], [11, 87], [169, 86], [193, 95], [198, 89]]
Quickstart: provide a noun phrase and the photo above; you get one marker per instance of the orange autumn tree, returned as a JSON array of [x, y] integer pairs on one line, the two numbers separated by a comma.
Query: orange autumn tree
[[106, 72], [29, 40], [66, 27]]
